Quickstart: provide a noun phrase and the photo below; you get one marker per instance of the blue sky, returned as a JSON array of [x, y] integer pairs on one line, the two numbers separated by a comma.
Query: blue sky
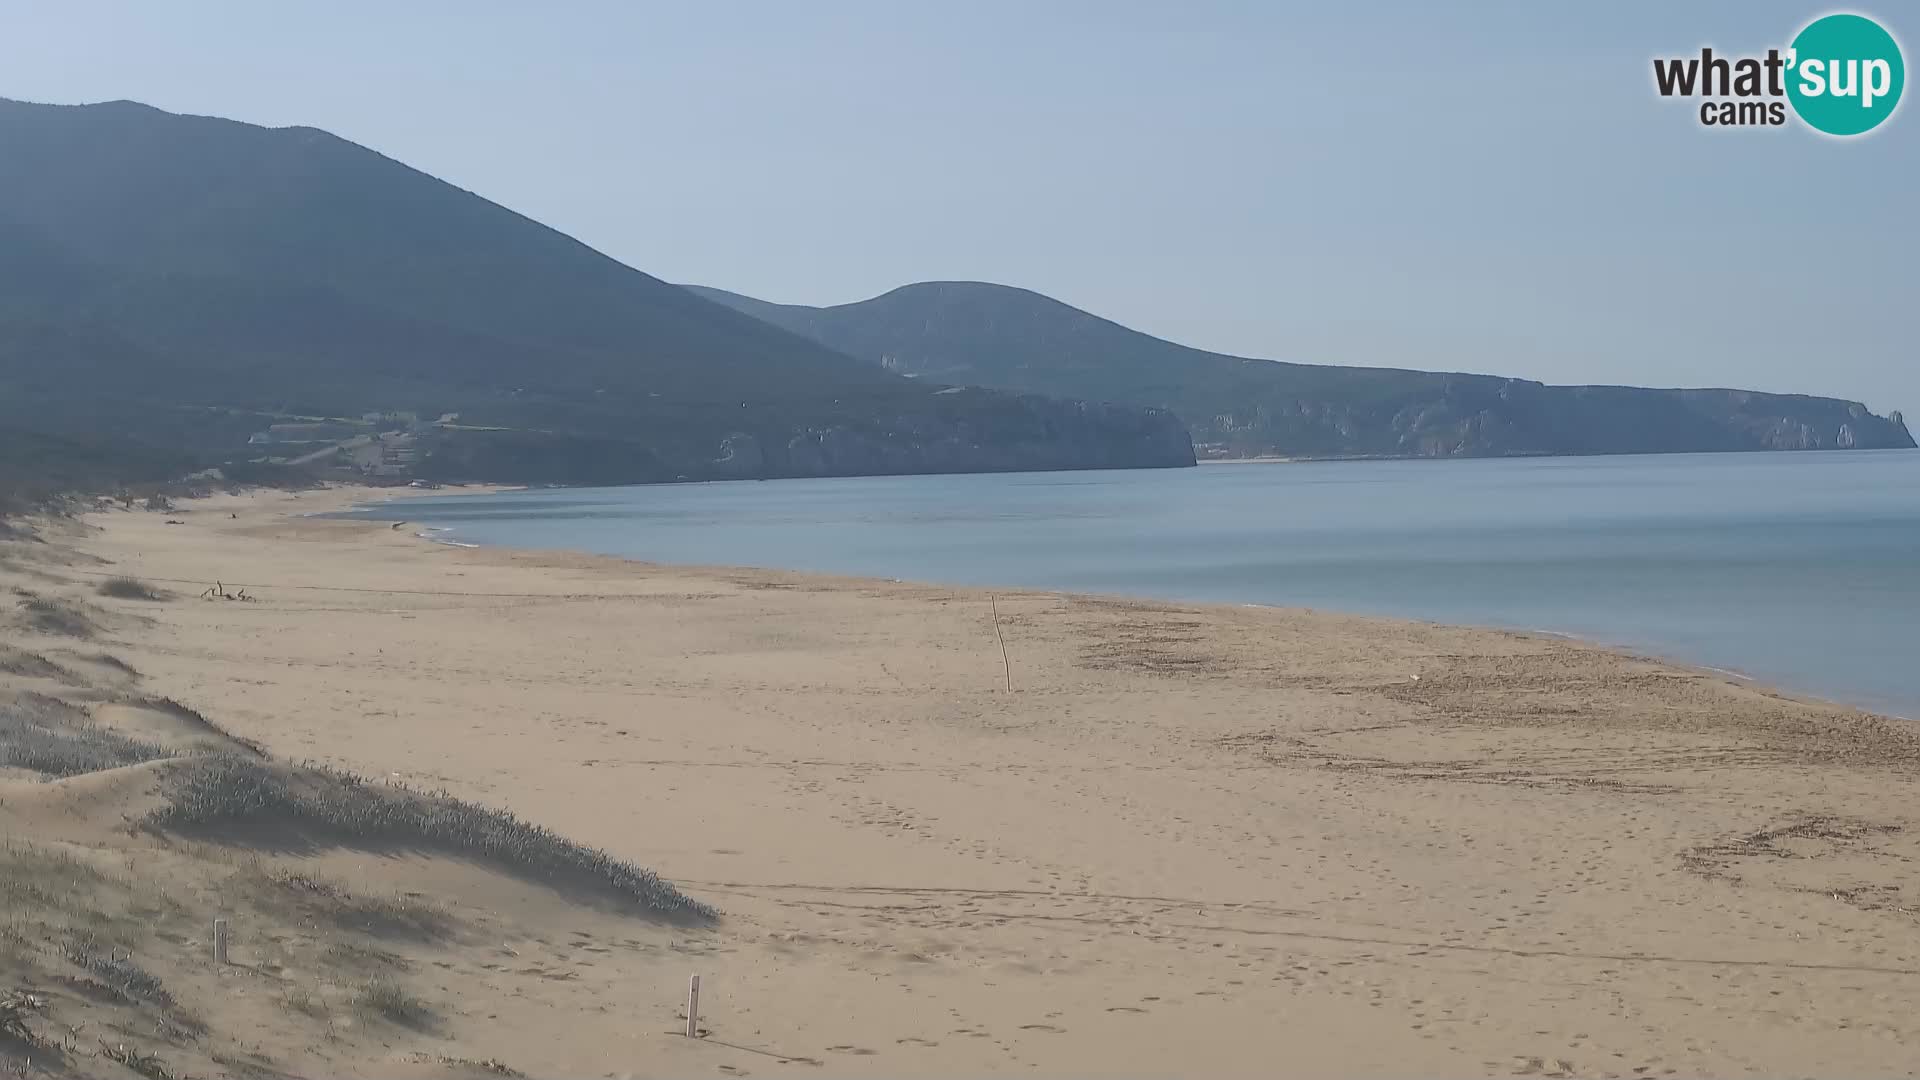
[[1490, 187]]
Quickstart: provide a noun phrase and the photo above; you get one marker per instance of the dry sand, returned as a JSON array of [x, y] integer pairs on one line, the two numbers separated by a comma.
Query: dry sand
[[1189, 840]]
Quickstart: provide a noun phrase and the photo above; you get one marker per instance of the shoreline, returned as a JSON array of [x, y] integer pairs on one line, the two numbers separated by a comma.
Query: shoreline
[[1643, 652], [1190, 838]]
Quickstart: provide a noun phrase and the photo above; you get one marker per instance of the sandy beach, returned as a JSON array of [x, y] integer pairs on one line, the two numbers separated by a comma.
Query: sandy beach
[[1189, 839]]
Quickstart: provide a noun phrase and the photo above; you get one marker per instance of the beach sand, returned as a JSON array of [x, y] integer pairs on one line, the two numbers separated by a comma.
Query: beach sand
[[1190, 839]]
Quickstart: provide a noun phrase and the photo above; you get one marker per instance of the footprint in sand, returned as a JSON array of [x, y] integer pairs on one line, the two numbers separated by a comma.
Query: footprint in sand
[[1043, 1027], [913, 1040], [857, 1050], [1124, 1008]]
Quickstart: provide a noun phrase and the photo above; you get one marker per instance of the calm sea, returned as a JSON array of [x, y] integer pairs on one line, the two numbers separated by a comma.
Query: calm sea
[[1799, 569]]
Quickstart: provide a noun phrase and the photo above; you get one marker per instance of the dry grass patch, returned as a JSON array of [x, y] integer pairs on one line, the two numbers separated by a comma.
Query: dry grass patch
[[194, 723], [17, 661], [133, 1058], [306, 1002], [226, 789], [363, 958], [49, 741], [381, 915], [16, 1009], [36, 880], [54, 616], [67, 923], [121, 973], [123, 587], [493, 1066], [388, 1000], [49, 894]]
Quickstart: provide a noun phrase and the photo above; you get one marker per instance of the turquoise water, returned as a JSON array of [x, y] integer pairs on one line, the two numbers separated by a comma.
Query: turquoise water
[[1802, 570]]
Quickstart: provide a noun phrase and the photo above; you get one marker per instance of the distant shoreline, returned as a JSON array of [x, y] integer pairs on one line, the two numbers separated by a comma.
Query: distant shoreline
[[1654, 654]]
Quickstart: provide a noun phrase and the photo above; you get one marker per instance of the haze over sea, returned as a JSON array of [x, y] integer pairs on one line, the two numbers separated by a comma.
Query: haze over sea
[[1798, 569]]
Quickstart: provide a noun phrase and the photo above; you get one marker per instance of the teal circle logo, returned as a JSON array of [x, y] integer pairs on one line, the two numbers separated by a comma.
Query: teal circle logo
[[1845, 74]]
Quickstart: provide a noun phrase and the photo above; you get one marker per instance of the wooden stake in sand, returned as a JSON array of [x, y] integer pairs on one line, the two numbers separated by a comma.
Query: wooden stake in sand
[[1006, 666], [693, 1007], [220, 941]]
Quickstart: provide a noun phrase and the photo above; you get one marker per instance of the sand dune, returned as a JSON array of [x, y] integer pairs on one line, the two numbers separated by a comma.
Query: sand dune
[[1190, 839]]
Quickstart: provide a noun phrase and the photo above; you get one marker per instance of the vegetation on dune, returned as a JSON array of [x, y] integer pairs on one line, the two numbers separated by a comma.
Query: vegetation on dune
[[384, 998], [36, 469], [225, 789], [66, 917], [119, 972], [145, 1064], [106, 923], [17, 661], [193, 719], [380, 916], [53, 745], [55, 739], [131, 588], [128, 450], [51, 615]]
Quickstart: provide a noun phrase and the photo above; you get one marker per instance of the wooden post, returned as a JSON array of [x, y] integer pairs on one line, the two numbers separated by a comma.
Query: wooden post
[[693, 1007], [220, 941], [1006, 666]]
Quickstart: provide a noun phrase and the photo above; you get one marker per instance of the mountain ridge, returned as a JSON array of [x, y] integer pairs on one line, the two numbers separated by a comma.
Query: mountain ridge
[[186, 280], [1018, 339]]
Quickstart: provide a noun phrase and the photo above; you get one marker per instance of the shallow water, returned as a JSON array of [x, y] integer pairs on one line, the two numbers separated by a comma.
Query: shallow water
[[1800, 569]]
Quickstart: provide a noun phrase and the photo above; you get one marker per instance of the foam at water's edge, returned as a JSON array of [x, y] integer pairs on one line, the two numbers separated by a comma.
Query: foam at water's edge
[[431, 534]]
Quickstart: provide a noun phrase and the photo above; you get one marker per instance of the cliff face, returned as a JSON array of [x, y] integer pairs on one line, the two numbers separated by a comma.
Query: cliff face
[[991, 335], [1487, 416]]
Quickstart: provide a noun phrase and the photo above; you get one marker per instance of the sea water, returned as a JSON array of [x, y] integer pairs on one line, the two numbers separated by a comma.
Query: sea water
[[1797, 569]]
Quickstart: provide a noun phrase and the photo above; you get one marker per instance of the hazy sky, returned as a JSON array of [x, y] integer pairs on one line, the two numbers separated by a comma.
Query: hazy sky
[[1490, 187]]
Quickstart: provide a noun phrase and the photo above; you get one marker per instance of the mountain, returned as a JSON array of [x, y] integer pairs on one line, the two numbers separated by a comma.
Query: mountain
[[1013, 339], [189, 283]]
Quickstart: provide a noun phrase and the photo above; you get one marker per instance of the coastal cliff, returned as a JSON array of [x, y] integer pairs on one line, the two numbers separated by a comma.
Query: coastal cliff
[[1484, 416], [1014, 339]]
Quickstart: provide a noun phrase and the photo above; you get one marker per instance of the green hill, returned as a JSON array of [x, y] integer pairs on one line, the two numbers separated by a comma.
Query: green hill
[[1013, 339], [183, 282]]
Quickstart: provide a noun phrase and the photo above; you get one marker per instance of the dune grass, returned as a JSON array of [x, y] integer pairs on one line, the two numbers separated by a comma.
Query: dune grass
[[147, 1065], [108, 660], [193, 718], [123, 587], [226, 789], [51, 615], [52, 744], [304, 1001], [82, 950], [36, 878], [390, 1001], [17, 661], [385, 915]]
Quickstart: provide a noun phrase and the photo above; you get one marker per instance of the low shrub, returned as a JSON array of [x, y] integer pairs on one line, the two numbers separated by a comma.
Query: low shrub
[[130, 588], [387, 999]]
